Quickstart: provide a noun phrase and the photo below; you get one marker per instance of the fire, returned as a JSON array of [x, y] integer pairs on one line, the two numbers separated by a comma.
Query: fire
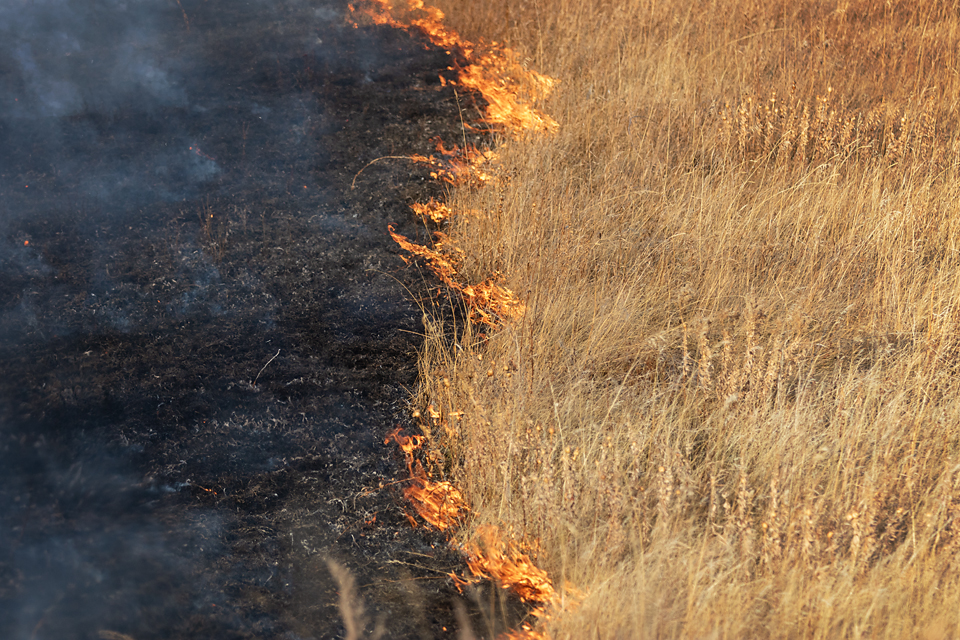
[[509, 91], [430, 24], [443, 505], [526, 632], [510, 566], [492, 558], [493, 71], [456, 166], [499, 78], [489, 302], [435, 211], [439, 503]]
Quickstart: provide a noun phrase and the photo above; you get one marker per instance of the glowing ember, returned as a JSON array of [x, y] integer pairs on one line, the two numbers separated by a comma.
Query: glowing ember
[[526, 632], [439, 503], [489, 302], [457, 166], [491, 70]]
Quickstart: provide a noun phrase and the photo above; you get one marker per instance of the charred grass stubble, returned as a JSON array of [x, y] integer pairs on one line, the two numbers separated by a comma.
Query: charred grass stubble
[[731, 408]]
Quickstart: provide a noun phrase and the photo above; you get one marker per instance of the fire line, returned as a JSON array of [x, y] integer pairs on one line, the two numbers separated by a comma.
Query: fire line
[[494, 73]]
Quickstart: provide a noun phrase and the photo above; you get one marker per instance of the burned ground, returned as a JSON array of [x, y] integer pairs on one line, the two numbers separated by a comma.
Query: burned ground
[[205, 333]]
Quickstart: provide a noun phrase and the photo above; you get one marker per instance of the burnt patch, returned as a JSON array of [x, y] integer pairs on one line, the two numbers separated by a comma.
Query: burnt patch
[[205, 333]]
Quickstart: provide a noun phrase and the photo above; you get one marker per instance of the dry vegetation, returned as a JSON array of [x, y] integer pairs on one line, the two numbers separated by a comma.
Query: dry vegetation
[[732, 407]]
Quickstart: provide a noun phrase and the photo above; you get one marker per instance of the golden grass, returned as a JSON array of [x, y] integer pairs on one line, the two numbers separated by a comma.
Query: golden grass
[[732, 407]]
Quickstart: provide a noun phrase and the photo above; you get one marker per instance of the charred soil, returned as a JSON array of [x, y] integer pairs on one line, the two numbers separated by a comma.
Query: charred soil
[[206, 334]]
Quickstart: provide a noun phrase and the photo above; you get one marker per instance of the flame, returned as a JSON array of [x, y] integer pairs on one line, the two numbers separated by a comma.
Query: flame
[[430, 24], [457, 166], [436, 211], [439, 503], [509, 91], [493, 71], [489, 302], [508, 564], [525, 632], [492, 558], [508, 88], [500, 79]]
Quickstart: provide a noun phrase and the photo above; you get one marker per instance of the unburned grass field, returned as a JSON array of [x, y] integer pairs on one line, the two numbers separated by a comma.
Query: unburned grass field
[[731, 408]]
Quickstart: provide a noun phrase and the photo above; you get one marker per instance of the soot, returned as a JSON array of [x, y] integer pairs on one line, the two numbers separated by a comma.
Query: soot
[[205, 334]]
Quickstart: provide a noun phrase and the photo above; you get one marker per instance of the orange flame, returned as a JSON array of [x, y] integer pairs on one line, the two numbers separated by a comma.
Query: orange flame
[[510, 566], [457, 166], [489, 302], [443, 505], [496, 73], [436, 211], [500, 79], [509, 90], [439, 503], [525, 632], [430, 24], [498, 76]]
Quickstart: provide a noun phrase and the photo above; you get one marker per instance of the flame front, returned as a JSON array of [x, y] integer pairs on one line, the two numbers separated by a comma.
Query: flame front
[[509, 91], [498, 76], [430, 23], [491, 70]]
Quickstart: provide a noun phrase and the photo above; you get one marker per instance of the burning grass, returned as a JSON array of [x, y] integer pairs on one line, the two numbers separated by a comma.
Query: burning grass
[[508, 90], [730, 406], [507, 86], [438, 502], [458, 166]]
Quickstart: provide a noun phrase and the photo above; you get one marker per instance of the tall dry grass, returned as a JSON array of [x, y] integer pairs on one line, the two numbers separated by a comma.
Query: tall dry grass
[[732, 409]]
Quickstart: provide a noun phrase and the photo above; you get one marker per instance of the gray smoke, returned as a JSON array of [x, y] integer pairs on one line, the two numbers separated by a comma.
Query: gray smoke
[[65, 57]]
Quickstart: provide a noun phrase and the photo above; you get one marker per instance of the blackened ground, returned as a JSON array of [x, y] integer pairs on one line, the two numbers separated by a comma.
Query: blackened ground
[[205, 334]]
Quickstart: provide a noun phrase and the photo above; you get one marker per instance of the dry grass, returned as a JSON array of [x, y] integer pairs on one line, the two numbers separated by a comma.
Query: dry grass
[[732, 408], [351, 604]]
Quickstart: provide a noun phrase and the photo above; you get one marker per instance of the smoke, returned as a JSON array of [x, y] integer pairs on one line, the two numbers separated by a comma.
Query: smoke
[[65, 57], [107, 574], [91, 100]]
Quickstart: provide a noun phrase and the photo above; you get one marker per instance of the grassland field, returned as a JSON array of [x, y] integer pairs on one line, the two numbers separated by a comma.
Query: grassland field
[[731, 408]]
